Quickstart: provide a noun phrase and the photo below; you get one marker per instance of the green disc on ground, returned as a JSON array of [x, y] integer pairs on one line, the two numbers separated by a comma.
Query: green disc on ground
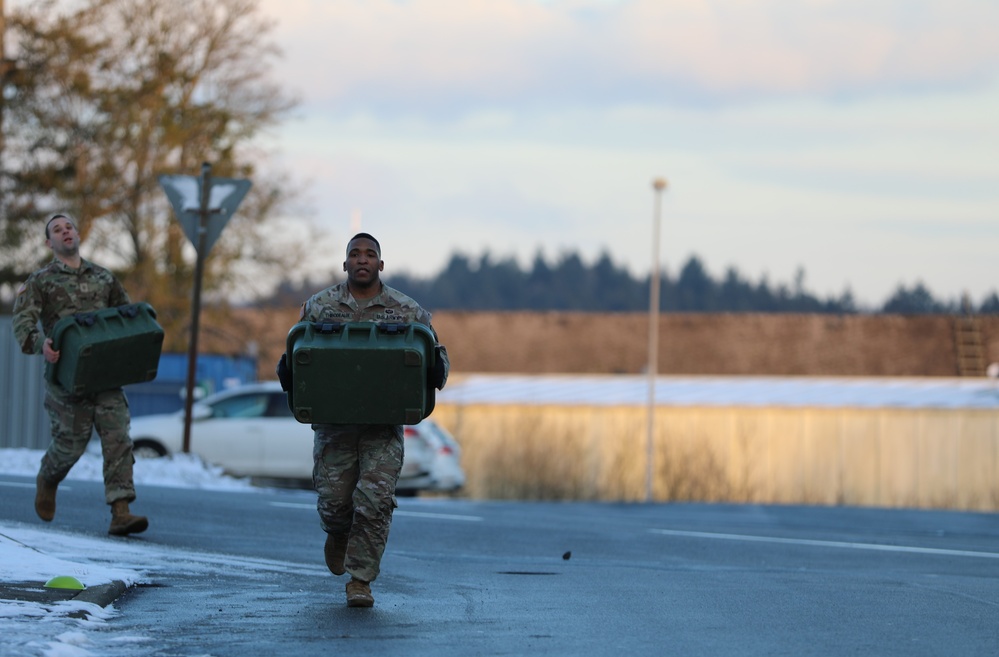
[[64, 582]]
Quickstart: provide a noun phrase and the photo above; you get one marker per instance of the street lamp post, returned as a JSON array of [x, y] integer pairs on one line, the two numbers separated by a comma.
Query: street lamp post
[[659, 184]]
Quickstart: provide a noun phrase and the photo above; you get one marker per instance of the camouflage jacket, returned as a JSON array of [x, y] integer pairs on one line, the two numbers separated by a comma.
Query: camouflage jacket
[[56, 291], [336, 304]]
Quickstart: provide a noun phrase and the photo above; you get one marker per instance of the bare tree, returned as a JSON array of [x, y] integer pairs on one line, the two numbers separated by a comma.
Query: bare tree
[[110, 94]]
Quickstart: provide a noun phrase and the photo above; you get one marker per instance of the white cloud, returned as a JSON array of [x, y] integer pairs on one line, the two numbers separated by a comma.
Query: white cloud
[[854, 138], [426, 56]]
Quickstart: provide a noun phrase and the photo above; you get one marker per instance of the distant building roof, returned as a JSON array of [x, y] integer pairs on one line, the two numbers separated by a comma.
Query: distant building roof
[[762, 391]]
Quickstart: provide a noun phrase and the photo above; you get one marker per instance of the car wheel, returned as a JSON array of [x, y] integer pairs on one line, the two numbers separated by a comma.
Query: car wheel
[[148, 449]]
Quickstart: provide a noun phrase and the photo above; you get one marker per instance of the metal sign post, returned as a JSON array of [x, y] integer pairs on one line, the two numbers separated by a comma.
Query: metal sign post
[[203, 206]]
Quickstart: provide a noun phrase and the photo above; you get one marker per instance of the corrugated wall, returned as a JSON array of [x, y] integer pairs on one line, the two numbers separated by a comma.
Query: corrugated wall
[[722, 344], [23, 421]]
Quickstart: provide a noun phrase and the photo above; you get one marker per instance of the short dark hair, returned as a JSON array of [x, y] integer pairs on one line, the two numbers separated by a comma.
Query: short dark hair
[[53, 217], [366, 236]]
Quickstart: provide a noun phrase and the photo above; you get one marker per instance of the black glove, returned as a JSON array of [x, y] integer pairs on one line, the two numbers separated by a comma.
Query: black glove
[[435, 374], [284, 373]]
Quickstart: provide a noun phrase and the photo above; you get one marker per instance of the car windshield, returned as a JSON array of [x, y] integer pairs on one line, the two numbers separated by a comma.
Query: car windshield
[[277, 405], [248, 405], [252, 404]]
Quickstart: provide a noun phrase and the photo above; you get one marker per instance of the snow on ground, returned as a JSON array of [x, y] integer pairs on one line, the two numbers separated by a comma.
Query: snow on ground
[[59, 629], [179, 470]]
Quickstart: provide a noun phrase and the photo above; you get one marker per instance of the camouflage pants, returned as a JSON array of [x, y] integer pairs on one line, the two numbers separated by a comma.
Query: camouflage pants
[[73, 419], [355, 472]]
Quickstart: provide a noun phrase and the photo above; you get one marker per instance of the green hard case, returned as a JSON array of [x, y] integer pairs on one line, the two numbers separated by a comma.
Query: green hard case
[[360, 372], [106, 349]]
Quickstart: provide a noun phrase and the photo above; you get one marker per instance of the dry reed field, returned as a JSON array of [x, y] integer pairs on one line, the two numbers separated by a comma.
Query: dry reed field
[[917, 458]]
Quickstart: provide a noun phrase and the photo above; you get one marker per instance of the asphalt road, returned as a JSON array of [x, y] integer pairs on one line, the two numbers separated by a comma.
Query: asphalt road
[[492, 578]]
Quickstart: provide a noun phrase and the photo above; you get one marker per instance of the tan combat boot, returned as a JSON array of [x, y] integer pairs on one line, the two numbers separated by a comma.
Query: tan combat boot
[[123, 522], [335, 552], [45, 494], [359, 594]]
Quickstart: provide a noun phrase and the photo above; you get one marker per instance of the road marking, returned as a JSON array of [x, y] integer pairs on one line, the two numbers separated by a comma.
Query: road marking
[[835, 544], [17, 484], [438, 516], [413, 514]]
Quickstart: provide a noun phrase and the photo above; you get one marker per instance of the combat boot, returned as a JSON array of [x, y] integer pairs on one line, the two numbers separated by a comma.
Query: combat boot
[[45, 494], [336, 552], [359, 594], [123, 522]]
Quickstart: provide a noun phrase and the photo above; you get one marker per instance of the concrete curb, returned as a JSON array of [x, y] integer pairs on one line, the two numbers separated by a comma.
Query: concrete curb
[[102, 594]]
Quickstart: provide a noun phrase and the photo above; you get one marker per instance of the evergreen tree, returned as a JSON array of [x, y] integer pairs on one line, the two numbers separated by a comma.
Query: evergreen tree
[[695, 289], [990, 305], [572, 285], [918, 300]]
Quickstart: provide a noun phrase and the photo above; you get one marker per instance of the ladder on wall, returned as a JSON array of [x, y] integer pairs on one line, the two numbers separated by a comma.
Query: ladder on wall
[[969, 348]]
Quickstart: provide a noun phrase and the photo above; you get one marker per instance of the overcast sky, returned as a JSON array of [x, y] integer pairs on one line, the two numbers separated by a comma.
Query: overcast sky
[[856, 139]]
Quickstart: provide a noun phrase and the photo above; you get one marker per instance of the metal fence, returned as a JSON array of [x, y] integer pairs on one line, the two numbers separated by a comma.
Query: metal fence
[[23, 421], [867, 441], [885, 457]]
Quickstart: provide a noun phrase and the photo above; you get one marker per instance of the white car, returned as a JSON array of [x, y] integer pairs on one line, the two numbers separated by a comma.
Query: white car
[[249, 431]]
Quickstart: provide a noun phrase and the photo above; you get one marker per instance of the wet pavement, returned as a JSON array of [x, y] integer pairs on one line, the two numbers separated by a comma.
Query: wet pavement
[[234, 574]]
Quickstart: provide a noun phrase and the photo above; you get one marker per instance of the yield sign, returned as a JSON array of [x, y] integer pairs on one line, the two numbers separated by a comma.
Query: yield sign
[[185, 195]]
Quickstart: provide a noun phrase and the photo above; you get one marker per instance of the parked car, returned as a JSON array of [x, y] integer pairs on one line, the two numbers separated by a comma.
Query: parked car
[[249, 431]]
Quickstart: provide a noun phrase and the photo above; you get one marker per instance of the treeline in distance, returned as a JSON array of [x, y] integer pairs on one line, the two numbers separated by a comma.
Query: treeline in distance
[[485, 284]]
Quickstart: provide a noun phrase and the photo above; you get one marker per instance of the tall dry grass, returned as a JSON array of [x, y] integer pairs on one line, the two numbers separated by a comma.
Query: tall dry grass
[[920, 458], [554, 453]]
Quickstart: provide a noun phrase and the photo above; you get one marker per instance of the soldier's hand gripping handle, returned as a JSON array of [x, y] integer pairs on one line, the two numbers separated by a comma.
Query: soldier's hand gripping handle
[[284, 373], [435, 375]]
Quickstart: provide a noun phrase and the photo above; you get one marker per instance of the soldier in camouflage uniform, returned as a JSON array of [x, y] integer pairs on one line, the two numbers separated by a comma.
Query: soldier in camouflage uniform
[[356, 466], [69, 285]]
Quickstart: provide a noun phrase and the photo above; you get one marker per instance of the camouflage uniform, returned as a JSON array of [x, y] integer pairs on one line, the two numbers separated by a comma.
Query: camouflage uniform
[[357, 465], [48, 295]]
